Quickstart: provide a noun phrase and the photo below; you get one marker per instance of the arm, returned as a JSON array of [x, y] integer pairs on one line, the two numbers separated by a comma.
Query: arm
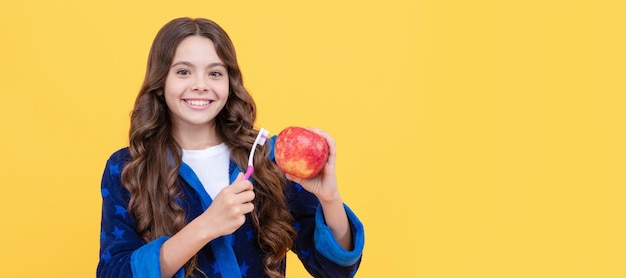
[[324, 187], [225, 215], [316, 245], [122, 251], [124, 254], [330, 236]]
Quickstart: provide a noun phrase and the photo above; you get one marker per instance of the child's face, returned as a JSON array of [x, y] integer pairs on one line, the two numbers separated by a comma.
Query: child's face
[[196, 87]]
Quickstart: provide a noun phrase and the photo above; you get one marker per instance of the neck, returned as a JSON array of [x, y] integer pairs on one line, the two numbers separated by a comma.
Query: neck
[[197, 137]]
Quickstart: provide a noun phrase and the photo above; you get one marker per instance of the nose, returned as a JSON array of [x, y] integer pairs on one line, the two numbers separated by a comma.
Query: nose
[[200, 85]]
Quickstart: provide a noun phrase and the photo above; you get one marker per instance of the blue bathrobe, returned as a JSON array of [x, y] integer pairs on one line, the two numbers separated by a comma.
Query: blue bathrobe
[[124, 254]]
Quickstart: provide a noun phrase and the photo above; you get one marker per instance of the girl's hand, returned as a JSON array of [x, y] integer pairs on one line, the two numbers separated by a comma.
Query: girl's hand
[[228, 211], [324, 184], [324, 187], [224, 216]]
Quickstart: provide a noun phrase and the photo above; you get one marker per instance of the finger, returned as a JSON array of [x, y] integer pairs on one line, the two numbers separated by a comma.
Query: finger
[[247, 208], [329, 139], [245, 197], [236, 184], [294, 178], [240, 176], [321, 133], [332, 149], [239, 187]]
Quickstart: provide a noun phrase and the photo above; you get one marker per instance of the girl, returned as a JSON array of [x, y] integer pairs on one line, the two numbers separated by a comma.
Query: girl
[[175, 203]]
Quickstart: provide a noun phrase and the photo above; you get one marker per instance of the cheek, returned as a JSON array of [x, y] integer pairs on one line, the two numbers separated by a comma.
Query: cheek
[[223, 89], [169, 101], [168, 87], [171, 93], [174, 88], [168, 94]]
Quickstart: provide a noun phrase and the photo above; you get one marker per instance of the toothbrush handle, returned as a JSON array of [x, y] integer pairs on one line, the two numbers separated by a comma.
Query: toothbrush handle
[[249, 172]]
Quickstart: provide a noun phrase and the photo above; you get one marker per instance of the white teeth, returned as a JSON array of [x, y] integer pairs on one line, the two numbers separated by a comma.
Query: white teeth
[[198, 102]]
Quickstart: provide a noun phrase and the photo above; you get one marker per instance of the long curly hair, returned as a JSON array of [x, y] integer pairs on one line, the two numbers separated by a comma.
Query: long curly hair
[[152, 174]]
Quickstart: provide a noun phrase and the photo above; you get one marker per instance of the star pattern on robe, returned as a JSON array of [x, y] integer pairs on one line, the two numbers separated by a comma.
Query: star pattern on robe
[[244, 269], [306, 253], [118, 233], [120, 210], [250, 234], [314, 267], [115, 169], [106, 256], [105, 192], [216, 268]]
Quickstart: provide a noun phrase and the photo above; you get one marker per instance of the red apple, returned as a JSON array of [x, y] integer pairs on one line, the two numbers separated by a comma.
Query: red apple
[[300, 152]]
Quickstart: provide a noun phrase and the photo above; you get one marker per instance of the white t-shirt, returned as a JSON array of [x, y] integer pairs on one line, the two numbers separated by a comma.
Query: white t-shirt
[[211, 167]]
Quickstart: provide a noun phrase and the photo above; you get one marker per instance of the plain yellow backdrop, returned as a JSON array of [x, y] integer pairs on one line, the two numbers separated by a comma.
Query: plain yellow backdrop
[[475, 138]]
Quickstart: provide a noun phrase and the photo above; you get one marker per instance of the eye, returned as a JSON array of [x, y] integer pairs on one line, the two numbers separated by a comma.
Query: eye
[[215, 74], [183, 72]]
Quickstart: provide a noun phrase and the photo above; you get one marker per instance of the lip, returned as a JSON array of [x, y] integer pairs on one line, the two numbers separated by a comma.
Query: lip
[[197, 104]]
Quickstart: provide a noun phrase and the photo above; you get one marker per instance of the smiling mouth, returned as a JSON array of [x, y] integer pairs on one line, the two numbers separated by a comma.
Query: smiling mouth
[[197, 102]]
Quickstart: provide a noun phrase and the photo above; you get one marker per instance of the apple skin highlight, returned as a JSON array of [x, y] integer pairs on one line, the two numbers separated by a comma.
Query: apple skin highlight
[[300, 152]]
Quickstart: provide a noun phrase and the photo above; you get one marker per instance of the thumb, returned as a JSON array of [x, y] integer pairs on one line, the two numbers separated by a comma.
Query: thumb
[[239, 176]]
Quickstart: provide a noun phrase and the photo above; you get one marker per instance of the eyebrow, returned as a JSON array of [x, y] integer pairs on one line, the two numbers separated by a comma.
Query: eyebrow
[[191, 65]]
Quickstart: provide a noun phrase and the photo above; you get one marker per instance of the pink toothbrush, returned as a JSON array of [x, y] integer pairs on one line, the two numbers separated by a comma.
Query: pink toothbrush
[[260, 140]]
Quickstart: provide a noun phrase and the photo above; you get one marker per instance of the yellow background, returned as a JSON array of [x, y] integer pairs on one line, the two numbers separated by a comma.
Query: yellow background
[[476, 138]]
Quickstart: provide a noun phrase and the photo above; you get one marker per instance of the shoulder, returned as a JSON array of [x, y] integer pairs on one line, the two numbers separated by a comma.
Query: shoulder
[[120, 156], [117, 161], [111, 185]]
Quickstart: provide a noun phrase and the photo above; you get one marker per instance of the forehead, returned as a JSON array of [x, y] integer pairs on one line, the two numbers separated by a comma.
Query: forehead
[[196, 49]]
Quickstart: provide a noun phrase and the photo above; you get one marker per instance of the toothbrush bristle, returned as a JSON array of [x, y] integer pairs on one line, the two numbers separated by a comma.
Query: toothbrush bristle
[[263, 137]]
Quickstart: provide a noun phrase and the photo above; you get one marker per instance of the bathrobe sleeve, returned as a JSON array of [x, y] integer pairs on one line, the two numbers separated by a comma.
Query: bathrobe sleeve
[[122, 252], [315, 245]]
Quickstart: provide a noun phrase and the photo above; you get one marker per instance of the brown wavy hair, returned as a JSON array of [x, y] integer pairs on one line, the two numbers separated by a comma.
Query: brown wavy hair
[[152, 174]]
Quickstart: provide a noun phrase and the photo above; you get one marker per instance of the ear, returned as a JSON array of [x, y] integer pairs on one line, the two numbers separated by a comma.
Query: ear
[[159, 93]]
